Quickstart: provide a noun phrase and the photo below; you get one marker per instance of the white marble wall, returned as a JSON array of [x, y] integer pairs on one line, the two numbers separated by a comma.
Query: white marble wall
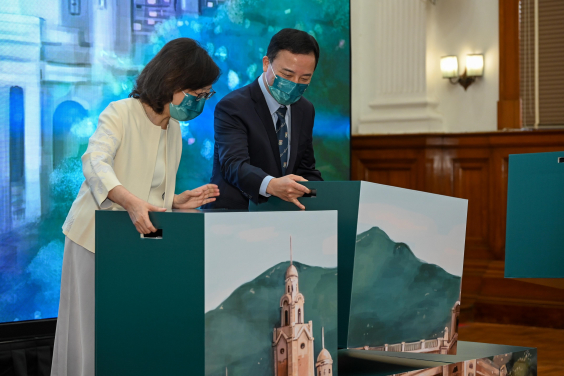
[[461, 27], [396, 81], [389, 75]]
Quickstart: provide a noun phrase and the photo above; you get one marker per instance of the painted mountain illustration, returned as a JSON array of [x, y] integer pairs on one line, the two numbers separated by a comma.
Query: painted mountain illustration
[[239, 332], [396, 297]]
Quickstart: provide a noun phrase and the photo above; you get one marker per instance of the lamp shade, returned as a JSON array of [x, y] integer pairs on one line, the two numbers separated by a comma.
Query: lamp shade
[[475, 65], [449, 66]]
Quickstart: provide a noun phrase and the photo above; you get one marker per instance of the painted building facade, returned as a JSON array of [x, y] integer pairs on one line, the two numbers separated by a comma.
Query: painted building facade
[[445, 345]]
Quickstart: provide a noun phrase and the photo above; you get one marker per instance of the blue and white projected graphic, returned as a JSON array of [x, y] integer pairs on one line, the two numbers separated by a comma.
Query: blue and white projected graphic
[[63, 61]]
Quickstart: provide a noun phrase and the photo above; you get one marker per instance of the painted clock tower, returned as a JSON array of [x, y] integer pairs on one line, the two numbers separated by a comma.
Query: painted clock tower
[[292, 341]]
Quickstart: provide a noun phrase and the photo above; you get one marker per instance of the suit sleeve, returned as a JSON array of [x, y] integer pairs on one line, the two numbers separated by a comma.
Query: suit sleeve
[[233, 151], [306, 168], [98, 160]]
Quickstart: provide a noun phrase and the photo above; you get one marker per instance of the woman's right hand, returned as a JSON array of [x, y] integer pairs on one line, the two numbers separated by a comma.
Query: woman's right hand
[[139, 213], [138, 209]]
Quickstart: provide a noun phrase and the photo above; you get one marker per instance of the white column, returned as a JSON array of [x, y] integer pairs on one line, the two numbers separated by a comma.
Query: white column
[[389, 92], [5, 205], [20, 66], [32, 105]]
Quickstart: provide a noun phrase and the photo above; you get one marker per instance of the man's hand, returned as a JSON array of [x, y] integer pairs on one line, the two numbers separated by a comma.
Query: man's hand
[[287, 189], [196, 197]]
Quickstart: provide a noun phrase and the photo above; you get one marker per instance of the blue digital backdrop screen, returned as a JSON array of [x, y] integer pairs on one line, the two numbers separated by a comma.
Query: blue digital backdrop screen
[[62, 62]]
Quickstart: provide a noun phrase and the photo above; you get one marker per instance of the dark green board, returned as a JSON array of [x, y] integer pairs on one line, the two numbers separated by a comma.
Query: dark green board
[[535, 214], [149, 296], [343, 197]]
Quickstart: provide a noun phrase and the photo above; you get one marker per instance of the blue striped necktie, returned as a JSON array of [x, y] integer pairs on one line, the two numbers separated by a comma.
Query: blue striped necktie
[[282, 133]]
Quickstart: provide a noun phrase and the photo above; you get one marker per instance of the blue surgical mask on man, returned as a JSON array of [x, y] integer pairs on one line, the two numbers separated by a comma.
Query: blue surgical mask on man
[[190, 108], [285, 91]]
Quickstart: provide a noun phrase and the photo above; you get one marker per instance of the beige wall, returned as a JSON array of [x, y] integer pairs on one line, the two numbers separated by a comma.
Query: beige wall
[[461, 27], [453, 27]]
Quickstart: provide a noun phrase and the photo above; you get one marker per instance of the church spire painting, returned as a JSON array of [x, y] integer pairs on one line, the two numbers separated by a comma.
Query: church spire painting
[[281, 276]]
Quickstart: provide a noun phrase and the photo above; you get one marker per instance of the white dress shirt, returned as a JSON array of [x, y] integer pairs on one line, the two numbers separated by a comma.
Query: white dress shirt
[[273, 106]]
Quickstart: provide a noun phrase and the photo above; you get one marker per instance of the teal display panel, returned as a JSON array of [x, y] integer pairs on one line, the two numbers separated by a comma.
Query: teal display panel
[[535, 213], [343, 197], [149, 296]]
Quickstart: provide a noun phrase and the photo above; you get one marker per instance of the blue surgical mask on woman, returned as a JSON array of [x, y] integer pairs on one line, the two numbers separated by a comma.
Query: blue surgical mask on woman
[[190, 108], [285, 91]]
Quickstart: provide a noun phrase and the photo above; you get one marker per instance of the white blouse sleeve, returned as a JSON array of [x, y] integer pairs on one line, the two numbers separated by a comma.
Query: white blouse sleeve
[[98, 160]]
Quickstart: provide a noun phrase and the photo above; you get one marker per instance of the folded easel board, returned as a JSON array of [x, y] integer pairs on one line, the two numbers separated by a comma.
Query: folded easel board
[[535, 213], [216, 293], [400, 264], [343, 197], [467, 351], [472, 359], [380, 365]]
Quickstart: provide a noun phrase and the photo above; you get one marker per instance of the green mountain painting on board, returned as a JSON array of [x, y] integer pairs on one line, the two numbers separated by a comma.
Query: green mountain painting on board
[[396, 296], [407, 272], [239, 333], [271, 294]]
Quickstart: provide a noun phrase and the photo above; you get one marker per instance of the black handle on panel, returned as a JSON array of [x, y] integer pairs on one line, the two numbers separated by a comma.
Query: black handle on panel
[[153, 235], [560, 159], [312, 193]]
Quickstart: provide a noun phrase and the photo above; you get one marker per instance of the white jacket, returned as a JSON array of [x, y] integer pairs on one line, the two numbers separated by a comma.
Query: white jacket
[[122, 151]]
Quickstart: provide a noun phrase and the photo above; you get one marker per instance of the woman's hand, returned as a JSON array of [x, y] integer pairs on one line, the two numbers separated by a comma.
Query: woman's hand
[[139, 214], [137, 209], [196, 197]]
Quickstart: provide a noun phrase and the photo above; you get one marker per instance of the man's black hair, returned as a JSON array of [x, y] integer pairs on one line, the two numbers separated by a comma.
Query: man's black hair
[[295, 41]]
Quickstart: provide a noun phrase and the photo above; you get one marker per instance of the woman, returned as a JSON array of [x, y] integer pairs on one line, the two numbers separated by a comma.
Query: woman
[[131, 163]]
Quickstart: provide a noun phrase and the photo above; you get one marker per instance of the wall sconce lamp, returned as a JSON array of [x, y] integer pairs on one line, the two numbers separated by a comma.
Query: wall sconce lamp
[[474, 68]]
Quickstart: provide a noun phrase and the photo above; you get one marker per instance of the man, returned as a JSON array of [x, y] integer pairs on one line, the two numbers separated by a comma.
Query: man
[[263, 131]]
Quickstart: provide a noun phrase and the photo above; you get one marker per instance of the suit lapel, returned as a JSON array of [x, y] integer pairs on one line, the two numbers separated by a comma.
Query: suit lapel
[[264, 114], [295, 131]]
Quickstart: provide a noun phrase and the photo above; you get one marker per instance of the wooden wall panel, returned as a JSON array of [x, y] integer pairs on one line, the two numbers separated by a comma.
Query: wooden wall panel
[[435, 180], [474, 167], [470, 181], [399, 173], [388, 167]]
